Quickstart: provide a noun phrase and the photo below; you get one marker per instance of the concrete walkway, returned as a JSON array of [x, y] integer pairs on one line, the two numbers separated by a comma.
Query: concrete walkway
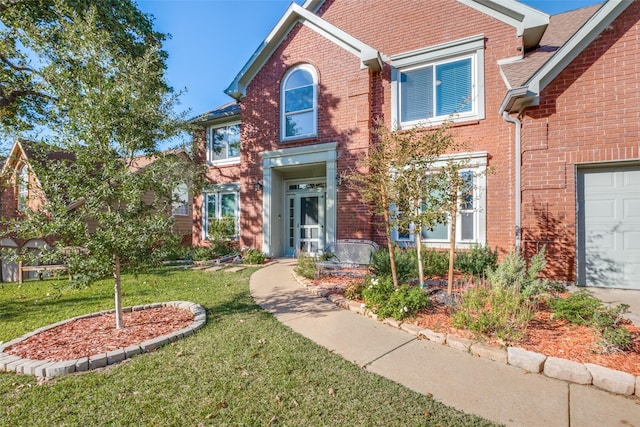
[[495, 391]]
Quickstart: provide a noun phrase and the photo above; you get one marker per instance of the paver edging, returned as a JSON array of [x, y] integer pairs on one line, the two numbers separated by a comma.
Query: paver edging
[[441, 338], [49, 368]]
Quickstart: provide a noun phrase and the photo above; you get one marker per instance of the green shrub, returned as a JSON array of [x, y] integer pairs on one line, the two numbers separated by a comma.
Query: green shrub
[[493, 310], [377, 290], [222, 247], [253, 256], [406, 263], [435, 262], [222, 228], [354, 291], [404, 301], [385, 300], [306, 266], [582, 308], [476, 261], [578, 308], [202, 253], [512, 272]]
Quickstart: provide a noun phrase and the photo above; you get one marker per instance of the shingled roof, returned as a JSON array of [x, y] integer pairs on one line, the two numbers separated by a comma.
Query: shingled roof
[[561, 27], [229, 109]]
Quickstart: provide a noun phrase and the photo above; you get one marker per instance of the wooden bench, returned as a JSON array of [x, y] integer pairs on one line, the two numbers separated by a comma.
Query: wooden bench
[[38, 268], [347, 254]]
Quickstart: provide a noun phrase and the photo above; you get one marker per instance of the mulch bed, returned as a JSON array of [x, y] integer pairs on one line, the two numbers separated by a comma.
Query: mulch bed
[[552, 337], [96, 335]]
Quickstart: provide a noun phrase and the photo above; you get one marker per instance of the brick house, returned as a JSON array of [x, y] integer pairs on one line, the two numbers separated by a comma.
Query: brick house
[[548, 103], [21, 190]]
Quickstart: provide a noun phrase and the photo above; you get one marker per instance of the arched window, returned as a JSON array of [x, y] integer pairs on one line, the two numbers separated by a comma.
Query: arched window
[[23, 187], [299, 103]]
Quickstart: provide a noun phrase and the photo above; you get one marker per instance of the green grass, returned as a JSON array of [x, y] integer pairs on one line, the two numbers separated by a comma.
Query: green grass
[[242, 368]]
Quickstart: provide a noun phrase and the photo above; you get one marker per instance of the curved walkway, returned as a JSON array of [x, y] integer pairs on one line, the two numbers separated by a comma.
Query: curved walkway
[[496, 391]]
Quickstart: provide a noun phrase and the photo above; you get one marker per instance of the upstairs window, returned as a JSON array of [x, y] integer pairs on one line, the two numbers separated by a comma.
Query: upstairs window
[[223, 144], [23, 188], [439, 83], [438, 90], [299, 103]]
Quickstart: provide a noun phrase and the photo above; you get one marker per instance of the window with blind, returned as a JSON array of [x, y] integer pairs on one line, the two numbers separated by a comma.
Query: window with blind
[[438, 83], [436, 91]]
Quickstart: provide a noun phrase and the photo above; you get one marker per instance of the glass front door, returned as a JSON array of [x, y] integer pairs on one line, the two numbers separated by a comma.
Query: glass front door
[[305, 223]]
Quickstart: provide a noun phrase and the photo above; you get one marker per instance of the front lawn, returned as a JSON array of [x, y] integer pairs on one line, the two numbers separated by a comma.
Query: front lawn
[[242, 368]]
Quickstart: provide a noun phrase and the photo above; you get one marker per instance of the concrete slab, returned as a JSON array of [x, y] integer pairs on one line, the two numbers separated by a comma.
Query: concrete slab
[[591, 407], [495, 391]]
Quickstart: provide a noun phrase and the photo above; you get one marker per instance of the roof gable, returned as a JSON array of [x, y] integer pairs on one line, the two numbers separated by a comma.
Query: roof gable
[[369, 57], [528, 93]]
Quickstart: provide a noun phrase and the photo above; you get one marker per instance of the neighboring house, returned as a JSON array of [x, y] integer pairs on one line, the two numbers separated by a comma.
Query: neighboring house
[[548, 103], [20, 190]]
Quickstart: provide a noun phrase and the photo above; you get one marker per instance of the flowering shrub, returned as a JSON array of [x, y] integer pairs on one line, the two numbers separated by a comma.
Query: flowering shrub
[[387, 301]]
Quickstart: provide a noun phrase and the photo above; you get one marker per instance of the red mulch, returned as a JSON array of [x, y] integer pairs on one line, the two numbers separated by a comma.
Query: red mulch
[[96, 335], [556, 338]]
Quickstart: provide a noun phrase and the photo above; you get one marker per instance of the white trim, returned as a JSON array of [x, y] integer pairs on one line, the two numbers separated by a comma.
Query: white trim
[[298, 156], [209, 145], [218, 191], [577, 43], [369, 57], [529, 23], [518, 99]]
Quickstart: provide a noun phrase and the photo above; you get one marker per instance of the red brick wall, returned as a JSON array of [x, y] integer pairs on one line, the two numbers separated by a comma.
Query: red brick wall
[[588, 114], [350, 98], [214, 175]]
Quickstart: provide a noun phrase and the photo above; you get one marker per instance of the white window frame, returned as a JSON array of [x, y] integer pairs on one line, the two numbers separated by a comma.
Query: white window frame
[[23, 187], [283, 114], [476, 163], [471, 47], [181, 201], [218, 192], [211, 142]]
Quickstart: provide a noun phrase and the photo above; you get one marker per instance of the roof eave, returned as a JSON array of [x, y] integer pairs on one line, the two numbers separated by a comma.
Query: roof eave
[[577, 43], [369, 57], [517, 99], [530, 23]]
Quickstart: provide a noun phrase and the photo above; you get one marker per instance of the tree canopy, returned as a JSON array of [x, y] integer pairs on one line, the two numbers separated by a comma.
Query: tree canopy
[[92, 75]]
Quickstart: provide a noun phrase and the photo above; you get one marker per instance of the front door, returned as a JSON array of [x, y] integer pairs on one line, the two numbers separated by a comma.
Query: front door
[[305, 223]]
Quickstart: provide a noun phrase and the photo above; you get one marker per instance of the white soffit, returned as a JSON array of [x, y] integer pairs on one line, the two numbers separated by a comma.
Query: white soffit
[[529, 23]]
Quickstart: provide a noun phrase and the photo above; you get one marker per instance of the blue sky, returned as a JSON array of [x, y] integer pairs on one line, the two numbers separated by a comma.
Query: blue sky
[[212, 40]]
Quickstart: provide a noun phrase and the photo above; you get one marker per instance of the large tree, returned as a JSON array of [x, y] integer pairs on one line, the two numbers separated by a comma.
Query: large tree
[[92, 75]]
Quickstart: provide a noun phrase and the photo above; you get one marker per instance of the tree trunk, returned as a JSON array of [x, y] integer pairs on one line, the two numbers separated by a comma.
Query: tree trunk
[[418, 233], [452, 240], [387, 227], [118, 293]]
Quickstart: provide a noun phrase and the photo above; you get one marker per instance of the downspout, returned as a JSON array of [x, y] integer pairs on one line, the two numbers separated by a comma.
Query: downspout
[[518, 161]]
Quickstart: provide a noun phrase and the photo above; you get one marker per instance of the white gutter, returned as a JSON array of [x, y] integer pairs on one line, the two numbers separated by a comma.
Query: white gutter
[[518, 191]]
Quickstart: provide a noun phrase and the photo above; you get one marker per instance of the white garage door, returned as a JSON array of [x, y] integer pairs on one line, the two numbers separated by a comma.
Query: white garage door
[[609, 227]]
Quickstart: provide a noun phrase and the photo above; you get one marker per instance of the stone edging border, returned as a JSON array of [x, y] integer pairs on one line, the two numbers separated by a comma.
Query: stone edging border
[[611, 380], [49, 369]]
